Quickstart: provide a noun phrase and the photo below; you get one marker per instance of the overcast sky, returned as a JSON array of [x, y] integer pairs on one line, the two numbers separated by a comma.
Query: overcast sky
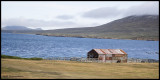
[[71, 14]]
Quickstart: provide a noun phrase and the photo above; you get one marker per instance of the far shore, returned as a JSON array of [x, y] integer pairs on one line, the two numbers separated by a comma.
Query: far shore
[[96, 37], [86, 37]]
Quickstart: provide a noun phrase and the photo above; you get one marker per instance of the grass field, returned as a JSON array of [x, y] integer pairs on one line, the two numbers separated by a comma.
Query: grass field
[[51, 69]]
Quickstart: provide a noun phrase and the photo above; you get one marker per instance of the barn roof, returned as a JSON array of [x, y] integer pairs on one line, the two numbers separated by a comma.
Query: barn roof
[[110, 51]]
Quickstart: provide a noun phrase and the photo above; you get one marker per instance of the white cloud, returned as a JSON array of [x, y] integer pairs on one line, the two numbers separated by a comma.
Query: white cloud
[[55, 15], [32, 23]]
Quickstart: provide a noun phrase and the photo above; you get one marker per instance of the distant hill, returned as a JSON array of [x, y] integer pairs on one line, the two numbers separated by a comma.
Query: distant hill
[[144, 27], [18, 28], [15, 28]]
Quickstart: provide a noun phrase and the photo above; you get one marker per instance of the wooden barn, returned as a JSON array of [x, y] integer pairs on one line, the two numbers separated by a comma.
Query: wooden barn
[[108, 55]]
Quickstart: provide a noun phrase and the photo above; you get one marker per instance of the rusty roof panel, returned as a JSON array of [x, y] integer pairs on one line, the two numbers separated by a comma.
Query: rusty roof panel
[[98, 51], [113, 51], [123, 51], [118, 51], [102, 51], [110, 51], [106, 51]]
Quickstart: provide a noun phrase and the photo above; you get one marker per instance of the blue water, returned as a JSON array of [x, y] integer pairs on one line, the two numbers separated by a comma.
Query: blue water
[[27, 46]]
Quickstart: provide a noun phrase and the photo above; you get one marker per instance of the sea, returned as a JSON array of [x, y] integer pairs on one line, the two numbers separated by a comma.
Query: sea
[[30, 45]]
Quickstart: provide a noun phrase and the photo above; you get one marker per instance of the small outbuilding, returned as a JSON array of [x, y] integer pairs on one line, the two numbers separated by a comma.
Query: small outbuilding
[[108, 55]]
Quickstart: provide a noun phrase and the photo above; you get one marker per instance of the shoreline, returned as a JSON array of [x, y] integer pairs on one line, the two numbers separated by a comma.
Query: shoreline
[[95, 37], [4, 56], [83, 36]]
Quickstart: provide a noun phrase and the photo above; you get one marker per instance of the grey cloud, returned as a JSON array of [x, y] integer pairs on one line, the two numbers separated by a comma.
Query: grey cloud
[[37, 23], [112, 12], [146, 8], [102, 12], [65, 17]]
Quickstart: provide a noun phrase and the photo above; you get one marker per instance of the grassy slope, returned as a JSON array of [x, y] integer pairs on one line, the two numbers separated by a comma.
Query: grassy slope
[[51, 69], [138, 28]]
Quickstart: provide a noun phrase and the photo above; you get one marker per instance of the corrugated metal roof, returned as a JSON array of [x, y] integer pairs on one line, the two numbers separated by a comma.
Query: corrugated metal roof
[[110, 51], [98, 51]]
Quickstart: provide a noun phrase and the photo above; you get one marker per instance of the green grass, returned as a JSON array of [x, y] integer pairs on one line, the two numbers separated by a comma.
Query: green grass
[[15, 57]]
